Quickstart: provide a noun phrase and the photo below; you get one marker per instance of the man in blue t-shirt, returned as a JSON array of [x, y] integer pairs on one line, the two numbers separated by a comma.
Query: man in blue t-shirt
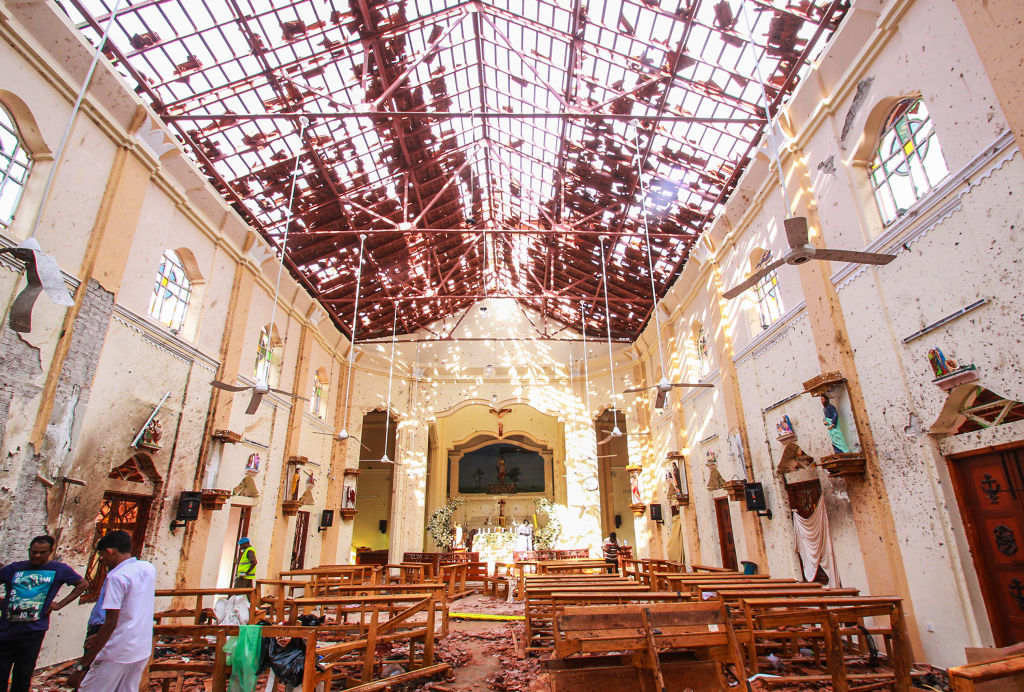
[[29, 591]]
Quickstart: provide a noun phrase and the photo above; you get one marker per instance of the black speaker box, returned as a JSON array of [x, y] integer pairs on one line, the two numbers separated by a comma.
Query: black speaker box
[[188, 505], [754, 494], [656, 513]]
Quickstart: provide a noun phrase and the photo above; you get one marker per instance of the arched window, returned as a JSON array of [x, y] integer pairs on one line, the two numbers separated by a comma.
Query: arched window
[[15, 164], [171, 294], [907, 162], [264, 356], [769, 302], [318, 401]]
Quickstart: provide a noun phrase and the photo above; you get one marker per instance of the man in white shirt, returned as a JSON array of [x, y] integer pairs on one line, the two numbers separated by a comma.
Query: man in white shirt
[[116, 656]]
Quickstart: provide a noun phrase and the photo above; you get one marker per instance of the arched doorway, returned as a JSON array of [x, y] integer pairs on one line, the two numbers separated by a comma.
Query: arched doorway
[[612, 459], [371, 527]]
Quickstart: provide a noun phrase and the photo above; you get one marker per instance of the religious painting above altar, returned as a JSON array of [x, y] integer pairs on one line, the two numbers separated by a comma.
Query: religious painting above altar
[[501, 469]]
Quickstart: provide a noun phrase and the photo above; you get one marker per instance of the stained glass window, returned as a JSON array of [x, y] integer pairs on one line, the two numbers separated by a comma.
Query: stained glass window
[[171, 294], [318, 395], [15, 164], [264, 356], [769, 302], [908, 161]]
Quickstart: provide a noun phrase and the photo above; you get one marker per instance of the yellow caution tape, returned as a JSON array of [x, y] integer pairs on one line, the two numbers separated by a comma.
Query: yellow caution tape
[[485, 616]]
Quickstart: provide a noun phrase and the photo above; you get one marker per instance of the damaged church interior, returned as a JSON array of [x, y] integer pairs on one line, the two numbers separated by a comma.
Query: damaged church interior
[[515, 344]]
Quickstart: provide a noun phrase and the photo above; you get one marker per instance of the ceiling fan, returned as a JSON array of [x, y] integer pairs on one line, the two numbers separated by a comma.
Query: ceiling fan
[[663, 386], [258, 391], [800, 251], [615, 432], [261, 387], [341, 436]]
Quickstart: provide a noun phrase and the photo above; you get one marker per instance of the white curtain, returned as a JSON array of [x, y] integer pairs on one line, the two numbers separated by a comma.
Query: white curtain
[[814, 543]]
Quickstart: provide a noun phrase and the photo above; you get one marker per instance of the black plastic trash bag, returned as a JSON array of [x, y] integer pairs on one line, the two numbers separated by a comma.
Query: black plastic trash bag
[[287, 662]]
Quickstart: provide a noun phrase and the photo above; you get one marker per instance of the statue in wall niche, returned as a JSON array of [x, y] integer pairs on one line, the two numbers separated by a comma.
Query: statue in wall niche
[[675, 483], [349, 497], [941, 365], [831, 421], [252, 466]]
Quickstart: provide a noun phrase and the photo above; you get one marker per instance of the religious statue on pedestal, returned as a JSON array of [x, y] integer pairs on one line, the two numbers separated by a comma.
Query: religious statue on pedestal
[[831, 421]]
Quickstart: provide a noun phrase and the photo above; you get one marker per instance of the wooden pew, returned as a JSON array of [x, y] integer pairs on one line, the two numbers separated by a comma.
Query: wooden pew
[[196, 612], [179, 655], [835, 623], [538, 608], [585, 636], [964, 678]]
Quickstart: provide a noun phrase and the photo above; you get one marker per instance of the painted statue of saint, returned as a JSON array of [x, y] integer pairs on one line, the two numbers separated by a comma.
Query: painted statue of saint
[[832, 424], [501, 471]]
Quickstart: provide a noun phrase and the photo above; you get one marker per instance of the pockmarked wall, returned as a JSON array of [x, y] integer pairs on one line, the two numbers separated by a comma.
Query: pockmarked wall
[[80, 386], [954, 247]]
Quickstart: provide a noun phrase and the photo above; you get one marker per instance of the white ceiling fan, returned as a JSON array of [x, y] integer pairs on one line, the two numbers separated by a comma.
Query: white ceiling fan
[[258, 391], [663, 386], [800, 250], [615, 431], [341, 436], [391, 373], [261, 388]]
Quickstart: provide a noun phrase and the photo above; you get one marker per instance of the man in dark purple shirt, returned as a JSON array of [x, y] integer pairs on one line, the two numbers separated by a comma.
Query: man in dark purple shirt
[[29, 590]]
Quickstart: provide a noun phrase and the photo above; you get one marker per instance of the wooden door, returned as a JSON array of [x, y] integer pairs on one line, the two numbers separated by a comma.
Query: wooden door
[[118, 511], [990, 492], [299, 543], [726, 541]]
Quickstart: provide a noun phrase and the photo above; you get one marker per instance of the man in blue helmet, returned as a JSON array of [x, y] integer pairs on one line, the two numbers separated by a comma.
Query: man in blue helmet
[[246, 572]]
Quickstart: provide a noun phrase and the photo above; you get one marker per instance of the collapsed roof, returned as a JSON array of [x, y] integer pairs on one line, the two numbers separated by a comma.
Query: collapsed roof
[[476, 149]]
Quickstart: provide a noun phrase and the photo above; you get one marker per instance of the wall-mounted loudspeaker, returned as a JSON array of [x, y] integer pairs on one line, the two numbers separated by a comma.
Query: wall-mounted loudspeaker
[[756, 502], [188, 508], [656, 513], [383, 526], [618, 521]]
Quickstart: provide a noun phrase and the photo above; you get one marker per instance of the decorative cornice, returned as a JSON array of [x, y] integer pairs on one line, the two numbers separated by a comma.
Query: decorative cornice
[[164, 340]]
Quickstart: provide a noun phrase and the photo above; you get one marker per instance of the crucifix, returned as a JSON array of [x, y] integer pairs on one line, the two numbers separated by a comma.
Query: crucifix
[[500, 413], [501, 513]]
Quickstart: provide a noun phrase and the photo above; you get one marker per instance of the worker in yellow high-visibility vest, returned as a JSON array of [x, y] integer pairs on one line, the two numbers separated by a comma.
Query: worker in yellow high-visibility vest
[[246, 572]]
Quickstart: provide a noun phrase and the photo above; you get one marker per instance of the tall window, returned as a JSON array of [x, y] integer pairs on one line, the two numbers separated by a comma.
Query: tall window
[[769, 302], [169, 301], [703, 356], [908, 161], [317, 400], [264, 356], [15, 164]]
